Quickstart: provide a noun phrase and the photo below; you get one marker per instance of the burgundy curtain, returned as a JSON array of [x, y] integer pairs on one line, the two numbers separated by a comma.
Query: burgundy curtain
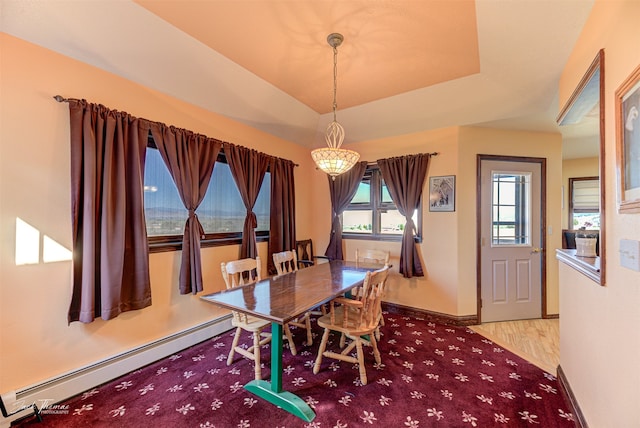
[[190, 159], [248, 168], [282, 228], [342, 190], [404, 177], [110, 250]]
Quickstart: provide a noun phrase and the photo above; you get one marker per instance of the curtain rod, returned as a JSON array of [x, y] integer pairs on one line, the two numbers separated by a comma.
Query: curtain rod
[[429, 154], [61, 99]]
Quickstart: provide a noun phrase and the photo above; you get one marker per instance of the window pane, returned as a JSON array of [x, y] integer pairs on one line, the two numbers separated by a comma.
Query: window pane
[[263, 204], [221, 210], [372, 213], [589, 221], [386, 196], [506, 213], [363, 194], [586, 195], [392, 222], [164, 211], [358, 221], [507, 191]]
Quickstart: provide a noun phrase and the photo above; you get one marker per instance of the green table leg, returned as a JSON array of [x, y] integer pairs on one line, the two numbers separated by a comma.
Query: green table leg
[[272, 391]]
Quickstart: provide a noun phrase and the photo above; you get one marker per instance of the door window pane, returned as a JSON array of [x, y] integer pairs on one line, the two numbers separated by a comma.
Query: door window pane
[[511, 208]]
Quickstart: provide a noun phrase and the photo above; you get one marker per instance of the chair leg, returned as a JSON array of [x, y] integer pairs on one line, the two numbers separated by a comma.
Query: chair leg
[[374, 345], [236, 339], [256, 355], [292, 346], [321, 349], [308, 325], [380, 324], [361, 367]]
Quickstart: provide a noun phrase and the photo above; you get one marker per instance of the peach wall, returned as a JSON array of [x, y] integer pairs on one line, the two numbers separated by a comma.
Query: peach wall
[[599, 337], [35, 341], [573, 168]]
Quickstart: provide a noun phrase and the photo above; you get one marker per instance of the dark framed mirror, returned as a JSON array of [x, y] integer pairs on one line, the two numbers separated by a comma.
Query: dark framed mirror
[[584, 110]]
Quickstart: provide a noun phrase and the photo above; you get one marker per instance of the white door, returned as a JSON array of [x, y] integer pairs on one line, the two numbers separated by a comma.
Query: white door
[[510, 246]]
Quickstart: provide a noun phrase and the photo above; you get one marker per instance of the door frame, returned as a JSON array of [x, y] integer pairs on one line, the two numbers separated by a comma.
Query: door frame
[[543, 225]]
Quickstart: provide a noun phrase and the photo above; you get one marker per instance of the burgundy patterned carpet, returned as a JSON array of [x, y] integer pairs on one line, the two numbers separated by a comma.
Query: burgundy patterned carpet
[[431, 375]]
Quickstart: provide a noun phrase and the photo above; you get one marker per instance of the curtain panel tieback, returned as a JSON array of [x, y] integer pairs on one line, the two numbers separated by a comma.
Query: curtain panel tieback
[[410, 226], [252, 219], [193, 219]]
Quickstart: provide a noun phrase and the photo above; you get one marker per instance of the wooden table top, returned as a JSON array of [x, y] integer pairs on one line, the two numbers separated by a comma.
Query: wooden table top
[[281, 298]]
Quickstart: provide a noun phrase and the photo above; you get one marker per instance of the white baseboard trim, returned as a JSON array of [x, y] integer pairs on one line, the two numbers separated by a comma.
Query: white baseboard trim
[[62, 387]]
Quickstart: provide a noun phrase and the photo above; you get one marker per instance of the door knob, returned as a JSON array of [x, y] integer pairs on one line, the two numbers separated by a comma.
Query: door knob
[[536, 250]]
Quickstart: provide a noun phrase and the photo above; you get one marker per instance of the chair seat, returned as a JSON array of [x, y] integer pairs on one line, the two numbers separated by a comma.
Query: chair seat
[[338, 324]]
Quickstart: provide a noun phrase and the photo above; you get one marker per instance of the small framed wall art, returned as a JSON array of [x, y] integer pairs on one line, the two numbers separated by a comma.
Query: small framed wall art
[[442, 193]]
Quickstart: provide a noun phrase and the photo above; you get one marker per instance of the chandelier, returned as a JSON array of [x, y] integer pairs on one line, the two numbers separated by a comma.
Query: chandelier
[[333, 159]]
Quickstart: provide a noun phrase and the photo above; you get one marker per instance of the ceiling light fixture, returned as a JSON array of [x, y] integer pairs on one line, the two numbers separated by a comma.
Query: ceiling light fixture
[[333, 159]]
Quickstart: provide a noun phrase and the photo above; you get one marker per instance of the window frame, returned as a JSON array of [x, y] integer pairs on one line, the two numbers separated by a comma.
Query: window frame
[[571, 209], [165, 243], [378, 207]]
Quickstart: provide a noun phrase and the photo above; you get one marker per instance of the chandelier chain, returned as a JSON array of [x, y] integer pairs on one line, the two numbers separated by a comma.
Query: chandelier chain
[[335, 81]]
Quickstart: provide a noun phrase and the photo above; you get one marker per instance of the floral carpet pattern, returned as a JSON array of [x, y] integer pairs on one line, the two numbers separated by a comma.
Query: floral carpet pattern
[[431, 375]]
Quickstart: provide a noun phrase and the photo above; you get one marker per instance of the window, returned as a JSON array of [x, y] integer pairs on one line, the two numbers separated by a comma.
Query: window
[[372, 213], [584, 203], [511, 209], [221, 212]]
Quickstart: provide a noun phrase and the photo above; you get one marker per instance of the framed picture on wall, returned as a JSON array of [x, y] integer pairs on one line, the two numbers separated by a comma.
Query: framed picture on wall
[[442, 193], [627, 103]]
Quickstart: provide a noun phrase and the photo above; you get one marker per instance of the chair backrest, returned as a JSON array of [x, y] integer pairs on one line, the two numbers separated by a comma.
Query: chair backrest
[[285, 261], [371, 298], [373, 256], [241, 272], [304, 251]]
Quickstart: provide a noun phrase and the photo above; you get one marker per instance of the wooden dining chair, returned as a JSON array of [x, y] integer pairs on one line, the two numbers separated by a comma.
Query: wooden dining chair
[[373, 256], [286, 262], [306, 256], [242, 272], [357, 319]]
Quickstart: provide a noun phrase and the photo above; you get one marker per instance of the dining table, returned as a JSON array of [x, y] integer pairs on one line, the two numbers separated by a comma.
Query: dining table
[[282, 298]]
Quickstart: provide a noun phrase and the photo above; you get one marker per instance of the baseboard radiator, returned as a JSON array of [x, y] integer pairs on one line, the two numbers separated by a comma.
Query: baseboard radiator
[[55, 390]]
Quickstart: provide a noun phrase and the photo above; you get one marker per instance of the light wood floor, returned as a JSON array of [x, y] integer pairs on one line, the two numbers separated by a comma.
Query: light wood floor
[[537, 341]]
